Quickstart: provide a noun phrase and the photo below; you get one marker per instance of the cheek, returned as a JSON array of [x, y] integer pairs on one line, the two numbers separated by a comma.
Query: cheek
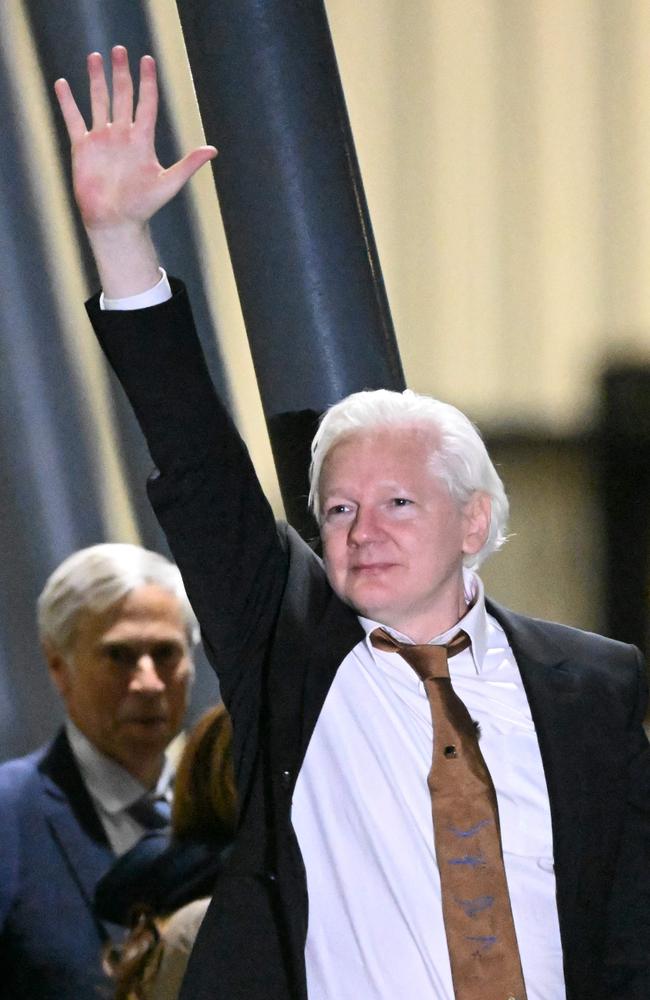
[[179, 687], [334, 558], [180, 683], [177, 699], [106, 712], [99, 692]]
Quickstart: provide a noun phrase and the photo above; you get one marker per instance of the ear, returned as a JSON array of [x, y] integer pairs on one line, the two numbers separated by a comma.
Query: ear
[[478, 515], [59, 668]]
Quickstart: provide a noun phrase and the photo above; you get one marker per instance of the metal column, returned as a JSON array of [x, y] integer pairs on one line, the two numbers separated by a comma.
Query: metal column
[[295, 216]]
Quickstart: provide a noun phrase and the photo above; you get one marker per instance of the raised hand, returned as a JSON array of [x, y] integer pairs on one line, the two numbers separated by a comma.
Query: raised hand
[[118, 181]]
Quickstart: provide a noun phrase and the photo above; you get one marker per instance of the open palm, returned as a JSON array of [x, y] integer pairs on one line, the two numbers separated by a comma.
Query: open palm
[[117, 178]]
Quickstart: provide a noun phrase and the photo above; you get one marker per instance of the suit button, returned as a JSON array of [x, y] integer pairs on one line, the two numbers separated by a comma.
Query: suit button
[[285, 779]]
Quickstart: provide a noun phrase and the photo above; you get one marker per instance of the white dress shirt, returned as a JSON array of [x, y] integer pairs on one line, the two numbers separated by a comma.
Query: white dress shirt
[[155, 296], [362, 815], [113, 789]]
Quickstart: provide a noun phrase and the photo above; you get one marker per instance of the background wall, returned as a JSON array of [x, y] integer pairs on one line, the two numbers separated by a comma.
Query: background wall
[[505, 150]]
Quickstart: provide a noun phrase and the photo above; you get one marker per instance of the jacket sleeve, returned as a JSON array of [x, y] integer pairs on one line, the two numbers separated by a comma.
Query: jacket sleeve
[[205, 493]]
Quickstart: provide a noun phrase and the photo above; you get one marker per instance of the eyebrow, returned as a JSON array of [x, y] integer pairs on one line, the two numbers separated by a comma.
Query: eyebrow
[[133, 642], [391, 486]]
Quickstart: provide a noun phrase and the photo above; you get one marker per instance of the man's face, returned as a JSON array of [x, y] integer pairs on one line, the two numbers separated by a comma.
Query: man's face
[[125, 681], [393, 538]]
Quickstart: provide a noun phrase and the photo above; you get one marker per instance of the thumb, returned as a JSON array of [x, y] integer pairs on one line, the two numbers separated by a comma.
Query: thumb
[[179, 174]]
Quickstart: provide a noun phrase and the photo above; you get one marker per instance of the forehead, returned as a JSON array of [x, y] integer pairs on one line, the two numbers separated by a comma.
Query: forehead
[[381, 454], [143, 610]]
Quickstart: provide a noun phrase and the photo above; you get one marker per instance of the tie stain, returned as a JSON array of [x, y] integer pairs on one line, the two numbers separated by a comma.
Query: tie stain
[[484, 941], [472, 860], [471, 831], [472, 907]]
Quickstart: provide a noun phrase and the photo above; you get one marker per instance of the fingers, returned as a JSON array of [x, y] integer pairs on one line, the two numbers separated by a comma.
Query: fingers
[[99, 99], [122, 86], [147, 108], [122, 110], [180, 173], [74, 122]]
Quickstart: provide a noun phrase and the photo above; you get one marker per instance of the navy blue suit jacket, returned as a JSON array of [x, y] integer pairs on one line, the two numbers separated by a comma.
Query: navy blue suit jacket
[[53, 850], [276, 633]]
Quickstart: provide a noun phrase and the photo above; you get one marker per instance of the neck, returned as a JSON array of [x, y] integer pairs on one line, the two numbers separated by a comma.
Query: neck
[[422, 627], [146, 771]]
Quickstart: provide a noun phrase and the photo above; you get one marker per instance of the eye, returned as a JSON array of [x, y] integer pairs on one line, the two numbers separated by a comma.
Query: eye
[[121, 656], [337, 508], [167, 653], [401, 502]]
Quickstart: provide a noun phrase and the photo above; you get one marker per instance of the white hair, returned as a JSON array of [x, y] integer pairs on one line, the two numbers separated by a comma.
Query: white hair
[[459, 456], [95, 578]]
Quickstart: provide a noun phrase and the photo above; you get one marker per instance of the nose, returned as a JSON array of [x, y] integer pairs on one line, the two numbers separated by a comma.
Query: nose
[[364, 528], [146, 678]]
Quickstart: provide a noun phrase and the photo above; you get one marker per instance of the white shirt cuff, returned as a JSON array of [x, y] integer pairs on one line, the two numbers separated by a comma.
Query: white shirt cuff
[[143, 300]]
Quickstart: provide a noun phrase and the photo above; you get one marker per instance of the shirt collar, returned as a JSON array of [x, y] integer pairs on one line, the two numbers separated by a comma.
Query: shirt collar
[[474, 622], [110, 784]]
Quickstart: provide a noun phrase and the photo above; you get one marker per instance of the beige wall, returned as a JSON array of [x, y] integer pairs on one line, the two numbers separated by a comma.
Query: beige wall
[[551, 565], [505, 147]]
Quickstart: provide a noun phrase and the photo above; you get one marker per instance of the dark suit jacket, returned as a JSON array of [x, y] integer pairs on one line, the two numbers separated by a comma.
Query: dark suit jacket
[[276, 634], [53, 850]]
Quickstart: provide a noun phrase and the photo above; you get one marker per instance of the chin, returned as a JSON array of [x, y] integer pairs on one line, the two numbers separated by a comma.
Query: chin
[[149, 732], [370, 602], [150, 747], [377, 613]]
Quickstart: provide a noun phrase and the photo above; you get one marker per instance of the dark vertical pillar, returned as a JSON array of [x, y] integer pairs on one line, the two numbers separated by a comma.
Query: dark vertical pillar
[[625, 479], [295, 216]]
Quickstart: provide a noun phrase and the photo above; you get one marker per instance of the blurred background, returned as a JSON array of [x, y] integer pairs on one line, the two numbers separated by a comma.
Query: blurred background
[[505, 151]]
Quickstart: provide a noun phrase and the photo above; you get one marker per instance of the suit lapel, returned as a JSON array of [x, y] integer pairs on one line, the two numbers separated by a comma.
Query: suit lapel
[[71, 816]]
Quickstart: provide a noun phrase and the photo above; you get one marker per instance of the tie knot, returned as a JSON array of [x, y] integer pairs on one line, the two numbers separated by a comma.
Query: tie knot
[[429, 660], [150, 812]]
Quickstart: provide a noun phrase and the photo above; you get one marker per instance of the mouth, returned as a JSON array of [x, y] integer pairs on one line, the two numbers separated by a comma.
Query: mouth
[[371, 569], [150, 721]]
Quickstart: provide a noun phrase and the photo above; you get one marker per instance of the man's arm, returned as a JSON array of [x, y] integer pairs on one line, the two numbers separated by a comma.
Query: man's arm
[[219, 525]]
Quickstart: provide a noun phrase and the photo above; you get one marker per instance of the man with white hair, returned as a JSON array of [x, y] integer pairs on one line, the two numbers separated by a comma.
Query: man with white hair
[[117, 632], [515, 861]]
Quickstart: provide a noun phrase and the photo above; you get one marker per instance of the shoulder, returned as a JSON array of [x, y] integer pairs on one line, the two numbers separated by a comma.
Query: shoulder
[[20, 797], [609, 670], [20, 776], [301, 557], [567, 640]]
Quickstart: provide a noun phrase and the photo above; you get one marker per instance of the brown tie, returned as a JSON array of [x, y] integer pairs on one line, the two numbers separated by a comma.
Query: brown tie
[[478, 920]]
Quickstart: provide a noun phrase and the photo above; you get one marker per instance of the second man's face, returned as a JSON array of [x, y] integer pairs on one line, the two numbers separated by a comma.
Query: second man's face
[[393, 538], [125, 682]]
